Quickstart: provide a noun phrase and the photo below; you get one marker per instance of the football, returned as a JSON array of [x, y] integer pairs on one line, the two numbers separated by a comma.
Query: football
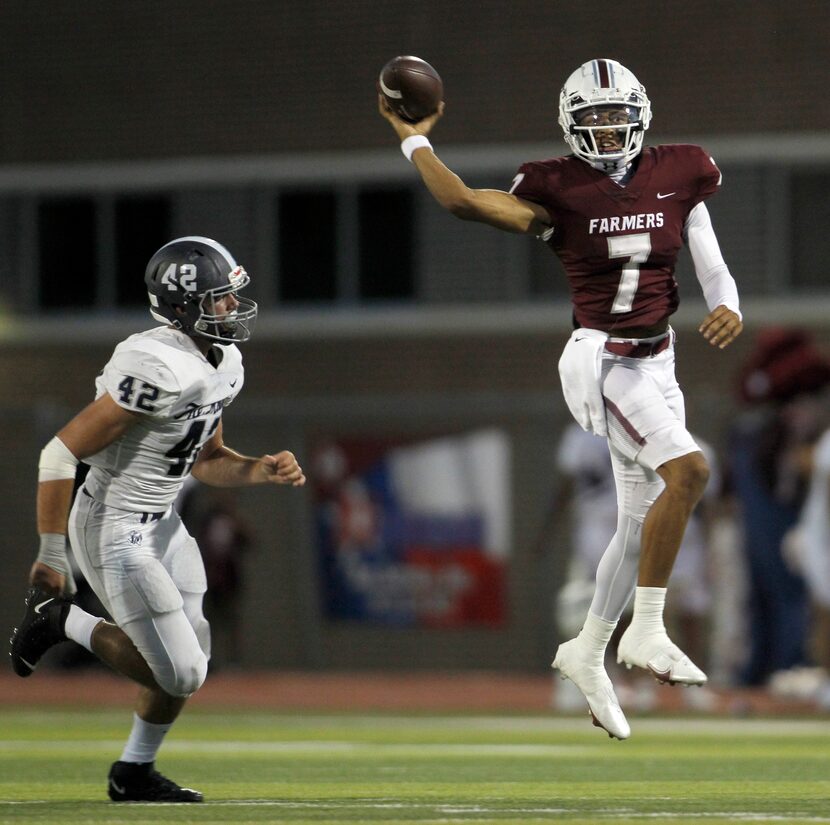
[[411, 87]]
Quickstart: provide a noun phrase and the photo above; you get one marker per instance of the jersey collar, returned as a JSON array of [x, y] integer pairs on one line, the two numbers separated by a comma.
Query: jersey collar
[[636, 184]]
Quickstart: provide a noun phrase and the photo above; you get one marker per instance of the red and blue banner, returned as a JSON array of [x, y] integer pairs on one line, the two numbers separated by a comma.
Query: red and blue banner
[[414, 533]]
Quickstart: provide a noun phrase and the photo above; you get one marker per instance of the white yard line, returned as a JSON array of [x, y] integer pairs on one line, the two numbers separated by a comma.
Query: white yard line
[[312, 746], [462, 813]]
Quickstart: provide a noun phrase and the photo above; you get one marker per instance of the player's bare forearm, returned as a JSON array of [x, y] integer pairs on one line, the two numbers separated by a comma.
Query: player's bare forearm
[[220, 466], [223, 467], [491, 206], [54, 498], [721, 327]]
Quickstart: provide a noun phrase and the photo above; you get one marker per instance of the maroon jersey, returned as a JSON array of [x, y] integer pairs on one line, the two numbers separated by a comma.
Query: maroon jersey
[[619, 244]]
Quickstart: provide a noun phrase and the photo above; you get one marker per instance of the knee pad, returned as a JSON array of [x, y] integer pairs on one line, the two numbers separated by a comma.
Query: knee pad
[[172, 650], [183, 676]]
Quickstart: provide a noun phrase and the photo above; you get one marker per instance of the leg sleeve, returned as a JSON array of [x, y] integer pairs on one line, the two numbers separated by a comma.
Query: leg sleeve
[[617, 571], [616, 579]]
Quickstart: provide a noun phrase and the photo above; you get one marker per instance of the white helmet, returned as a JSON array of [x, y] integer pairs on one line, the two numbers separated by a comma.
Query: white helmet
[[604, 83]]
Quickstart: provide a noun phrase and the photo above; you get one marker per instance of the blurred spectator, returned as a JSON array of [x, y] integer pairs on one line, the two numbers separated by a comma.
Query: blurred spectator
[[213, 519], [780, 385], [807, 550], [586, 491]]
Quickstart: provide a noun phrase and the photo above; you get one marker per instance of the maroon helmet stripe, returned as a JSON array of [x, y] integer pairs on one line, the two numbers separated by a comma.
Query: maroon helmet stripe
[[627, 425], [604, 75]]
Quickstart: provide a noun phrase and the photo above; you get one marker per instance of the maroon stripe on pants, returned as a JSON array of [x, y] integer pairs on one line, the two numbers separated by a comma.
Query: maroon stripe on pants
[[627, 425], [604, 76]]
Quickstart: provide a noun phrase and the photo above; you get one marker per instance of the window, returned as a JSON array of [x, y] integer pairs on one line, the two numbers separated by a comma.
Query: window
[[67, 252], [308, 261], [142, 225], [810, 244], [386, 219]]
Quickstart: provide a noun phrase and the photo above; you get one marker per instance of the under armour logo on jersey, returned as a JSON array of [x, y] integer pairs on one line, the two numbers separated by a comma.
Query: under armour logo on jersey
[[135, 537]]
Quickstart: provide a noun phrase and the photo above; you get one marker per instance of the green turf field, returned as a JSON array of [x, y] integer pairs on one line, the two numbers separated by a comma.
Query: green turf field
[[418, 769]]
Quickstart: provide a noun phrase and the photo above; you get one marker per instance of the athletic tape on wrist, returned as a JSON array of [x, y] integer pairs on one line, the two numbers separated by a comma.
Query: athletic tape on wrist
[[56, 462], [52, 552], [413, 142]]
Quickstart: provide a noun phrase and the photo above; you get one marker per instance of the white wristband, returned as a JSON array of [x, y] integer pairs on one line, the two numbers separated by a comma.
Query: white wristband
[[413, 142]]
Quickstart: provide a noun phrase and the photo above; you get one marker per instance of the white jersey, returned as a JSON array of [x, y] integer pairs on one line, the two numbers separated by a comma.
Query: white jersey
[[583, 457], [815, 525], [161, 374]]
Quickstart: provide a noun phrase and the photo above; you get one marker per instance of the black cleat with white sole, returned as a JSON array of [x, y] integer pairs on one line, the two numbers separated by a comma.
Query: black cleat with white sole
[[141, 782], [41, 628]]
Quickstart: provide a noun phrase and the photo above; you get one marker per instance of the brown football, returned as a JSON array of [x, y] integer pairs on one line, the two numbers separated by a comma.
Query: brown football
[[411, 86]]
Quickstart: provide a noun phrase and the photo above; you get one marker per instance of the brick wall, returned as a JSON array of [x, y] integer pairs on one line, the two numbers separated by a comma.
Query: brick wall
[[103, 80]]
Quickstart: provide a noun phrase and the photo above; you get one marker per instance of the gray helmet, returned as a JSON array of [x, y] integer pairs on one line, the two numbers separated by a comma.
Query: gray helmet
[[184, 280]]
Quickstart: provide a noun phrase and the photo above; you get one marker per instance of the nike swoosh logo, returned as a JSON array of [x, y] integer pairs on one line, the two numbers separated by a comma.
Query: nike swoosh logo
[[116, 787], [40, 607], [660, 195], [660, 675], [579, 339], [233, 383], [28, 665]]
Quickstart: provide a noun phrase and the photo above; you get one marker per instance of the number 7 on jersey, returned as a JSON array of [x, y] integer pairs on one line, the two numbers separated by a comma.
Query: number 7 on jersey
[[636, 248]]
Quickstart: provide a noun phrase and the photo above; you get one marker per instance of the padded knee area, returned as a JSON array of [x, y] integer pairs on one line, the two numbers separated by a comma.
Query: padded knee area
[[172, 650], [183, 676]]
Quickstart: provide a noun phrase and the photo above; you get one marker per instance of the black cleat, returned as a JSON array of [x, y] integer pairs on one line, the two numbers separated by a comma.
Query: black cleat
[[41, 628], [140, 782]]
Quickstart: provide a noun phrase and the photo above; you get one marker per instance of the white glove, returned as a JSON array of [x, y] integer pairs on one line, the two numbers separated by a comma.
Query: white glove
[[580, 370]]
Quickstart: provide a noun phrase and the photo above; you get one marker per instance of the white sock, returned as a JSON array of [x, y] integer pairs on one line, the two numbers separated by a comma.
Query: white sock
[[79, 626], [596, 633], [649, 603], [144, 741]]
